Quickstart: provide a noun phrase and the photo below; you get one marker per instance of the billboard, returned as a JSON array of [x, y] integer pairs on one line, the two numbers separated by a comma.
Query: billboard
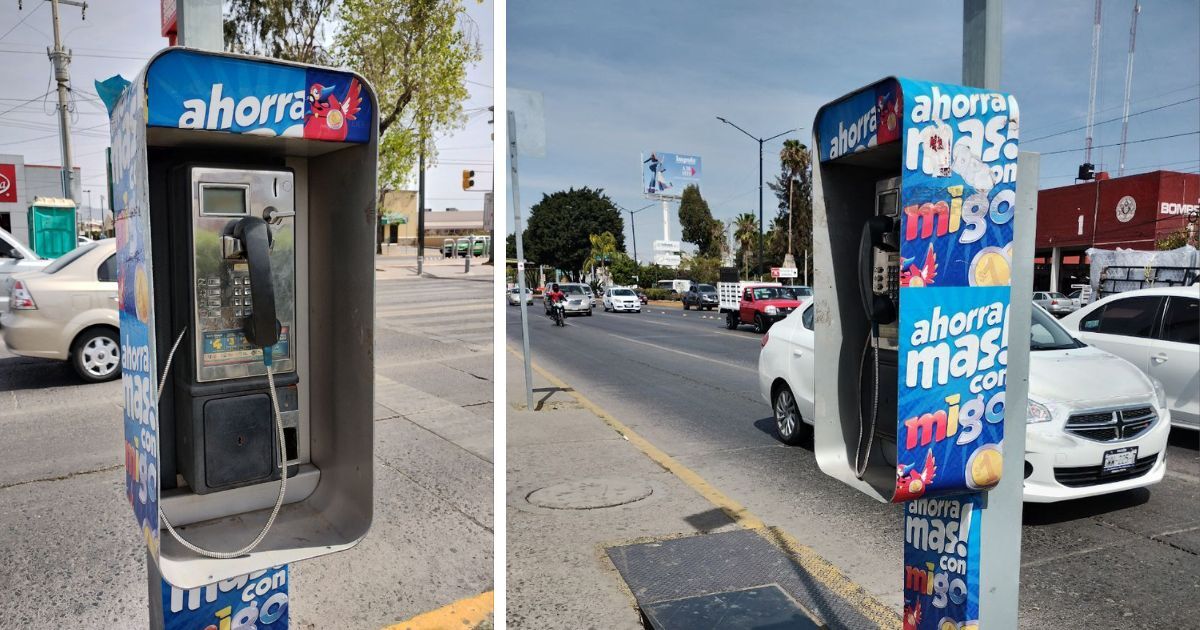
[[667, 174]]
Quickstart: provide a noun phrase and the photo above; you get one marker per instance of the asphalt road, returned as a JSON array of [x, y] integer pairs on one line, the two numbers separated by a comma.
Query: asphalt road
[[688, 385], [73, 557]]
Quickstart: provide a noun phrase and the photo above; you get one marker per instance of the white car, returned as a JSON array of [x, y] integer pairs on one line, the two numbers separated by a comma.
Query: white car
[[15, 258], [617, 299], [579, 298], [514, 299], [1157, 330], [1096, 424]]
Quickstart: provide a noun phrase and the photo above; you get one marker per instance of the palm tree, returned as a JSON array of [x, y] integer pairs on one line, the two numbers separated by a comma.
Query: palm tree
[[745, 232], [603, 247], [795, 159]]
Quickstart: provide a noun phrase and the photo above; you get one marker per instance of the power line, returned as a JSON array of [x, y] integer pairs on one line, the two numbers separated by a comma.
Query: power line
[[27, 16], [1106, 109], [1145, 111], [1115, 144]]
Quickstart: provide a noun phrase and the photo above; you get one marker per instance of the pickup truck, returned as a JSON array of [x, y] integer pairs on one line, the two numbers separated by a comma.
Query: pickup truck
[[755, 303]]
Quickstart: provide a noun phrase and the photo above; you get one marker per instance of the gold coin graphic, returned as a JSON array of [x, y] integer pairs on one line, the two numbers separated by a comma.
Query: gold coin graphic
[[991, 269], [335, 119], [141, 294], [986, 467]]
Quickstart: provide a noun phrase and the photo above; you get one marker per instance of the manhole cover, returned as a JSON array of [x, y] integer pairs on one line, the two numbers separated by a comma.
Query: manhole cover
[[589, 495]]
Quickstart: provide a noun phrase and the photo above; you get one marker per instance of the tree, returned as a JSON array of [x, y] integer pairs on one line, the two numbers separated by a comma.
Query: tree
[[702, 269], [562, 222], [510, 246], [1173, 240], [604, 245], [415, 53], [793, 189], [624, 270], [284, 29], [697, 221], [745, 234]]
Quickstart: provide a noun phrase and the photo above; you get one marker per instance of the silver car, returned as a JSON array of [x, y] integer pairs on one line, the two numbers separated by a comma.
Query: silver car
[[1055, 303], [579, 298]]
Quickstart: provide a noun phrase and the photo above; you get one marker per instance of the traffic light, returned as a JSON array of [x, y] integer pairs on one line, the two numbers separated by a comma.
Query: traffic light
[[468, 179]]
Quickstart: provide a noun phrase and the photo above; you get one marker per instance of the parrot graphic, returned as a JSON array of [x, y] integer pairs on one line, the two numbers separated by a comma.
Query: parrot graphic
[[913, 276], [328, 117], [912, 617], [911, 483]]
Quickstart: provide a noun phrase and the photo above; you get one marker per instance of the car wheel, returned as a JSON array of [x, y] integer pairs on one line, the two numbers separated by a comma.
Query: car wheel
[[760, 324], [96, 355], [788, 423], [686, 306], [731, 321], [589, 312]]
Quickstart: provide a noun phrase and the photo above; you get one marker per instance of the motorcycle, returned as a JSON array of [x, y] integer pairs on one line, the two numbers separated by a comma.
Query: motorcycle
[[559, 312]]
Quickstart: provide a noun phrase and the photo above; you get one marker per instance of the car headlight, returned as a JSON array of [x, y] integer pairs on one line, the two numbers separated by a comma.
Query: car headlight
[[1159, 393], [771, 310], [1038, 412]]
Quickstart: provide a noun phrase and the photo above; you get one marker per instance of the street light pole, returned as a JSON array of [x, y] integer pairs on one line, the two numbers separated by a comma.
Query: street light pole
[[760, 142], [633, 225]]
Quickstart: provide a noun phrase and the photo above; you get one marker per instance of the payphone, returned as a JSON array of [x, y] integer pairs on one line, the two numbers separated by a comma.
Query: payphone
[[233, 237], [245, 210], [914, 192]]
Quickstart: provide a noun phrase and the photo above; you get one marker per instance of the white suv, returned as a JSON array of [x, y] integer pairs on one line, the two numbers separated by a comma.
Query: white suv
[[1157, 330]]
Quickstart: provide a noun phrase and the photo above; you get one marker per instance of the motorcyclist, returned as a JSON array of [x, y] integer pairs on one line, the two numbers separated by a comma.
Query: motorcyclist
[[555, 295]]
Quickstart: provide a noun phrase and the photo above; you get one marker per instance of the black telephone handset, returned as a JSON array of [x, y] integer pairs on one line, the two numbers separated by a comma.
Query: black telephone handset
[[880, 307], [254, 237]]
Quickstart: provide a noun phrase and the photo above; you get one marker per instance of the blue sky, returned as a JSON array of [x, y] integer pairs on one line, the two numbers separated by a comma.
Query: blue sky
[[619, 78], [118, 37]]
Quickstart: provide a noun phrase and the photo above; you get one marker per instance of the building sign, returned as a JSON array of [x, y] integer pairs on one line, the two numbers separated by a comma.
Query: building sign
[[8, 183], [1126, 208], [191, 90]]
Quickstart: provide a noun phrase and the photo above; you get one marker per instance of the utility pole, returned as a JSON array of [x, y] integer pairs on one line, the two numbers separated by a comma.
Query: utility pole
[[61, 59], [421, 211], [633, 226]]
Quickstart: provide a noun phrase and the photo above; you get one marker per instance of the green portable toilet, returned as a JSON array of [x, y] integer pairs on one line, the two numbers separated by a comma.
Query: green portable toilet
[[52, 226]]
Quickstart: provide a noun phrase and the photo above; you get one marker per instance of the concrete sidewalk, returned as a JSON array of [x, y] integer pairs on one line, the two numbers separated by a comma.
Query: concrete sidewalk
[[581, 483]]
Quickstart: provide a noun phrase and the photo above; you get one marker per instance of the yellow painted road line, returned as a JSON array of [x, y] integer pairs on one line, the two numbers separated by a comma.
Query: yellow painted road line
[[816, 566], [463, 614]]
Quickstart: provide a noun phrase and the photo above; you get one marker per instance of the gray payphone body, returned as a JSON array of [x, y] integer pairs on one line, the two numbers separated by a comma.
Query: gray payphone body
[[224, 426]]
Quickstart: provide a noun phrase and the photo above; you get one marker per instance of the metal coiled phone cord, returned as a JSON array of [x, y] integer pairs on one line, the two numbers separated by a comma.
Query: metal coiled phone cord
[[224, 555], [861, 460]]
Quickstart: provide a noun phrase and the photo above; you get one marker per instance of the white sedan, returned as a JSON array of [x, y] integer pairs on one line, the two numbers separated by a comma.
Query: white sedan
[[1157, 330], [1083, 438], [618, 299], [514, 296]]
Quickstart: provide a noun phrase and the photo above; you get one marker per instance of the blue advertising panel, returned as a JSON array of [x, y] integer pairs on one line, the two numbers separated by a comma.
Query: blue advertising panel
[[865, 119], [952, 364], [258, 600], [941, 563], [192, 90], [131, 212], [667, 174]]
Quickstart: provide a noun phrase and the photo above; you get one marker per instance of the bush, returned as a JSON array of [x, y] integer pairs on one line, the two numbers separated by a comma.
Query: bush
[[662, 294]]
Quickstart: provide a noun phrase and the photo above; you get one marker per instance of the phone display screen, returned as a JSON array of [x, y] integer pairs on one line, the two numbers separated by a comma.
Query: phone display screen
[[223, 199]]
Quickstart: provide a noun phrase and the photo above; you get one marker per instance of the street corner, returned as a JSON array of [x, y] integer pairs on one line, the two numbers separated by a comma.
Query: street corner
[[470, 613]]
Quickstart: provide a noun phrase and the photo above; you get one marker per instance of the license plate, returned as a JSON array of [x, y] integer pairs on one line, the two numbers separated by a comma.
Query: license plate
[[1119, 459]]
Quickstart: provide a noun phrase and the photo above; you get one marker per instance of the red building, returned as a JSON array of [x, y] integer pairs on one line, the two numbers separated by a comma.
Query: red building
[[1130, 212]]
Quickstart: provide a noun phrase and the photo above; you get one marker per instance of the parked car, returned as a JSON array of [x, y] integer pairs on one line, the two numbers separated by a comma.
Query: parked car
[[617, 299], [1157, 330], [68, 311], [579, 298], [1055, 303], [1081, 440], [514, 298], [759, 304], [700, 297], [15, 258]]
